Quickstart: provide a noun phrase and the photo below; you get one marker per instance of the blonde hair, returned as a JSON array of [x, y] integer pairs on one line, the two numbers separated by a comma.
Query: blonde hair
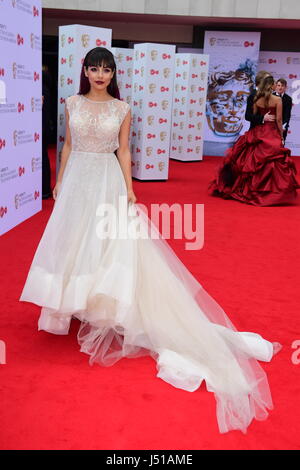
[[265, 90]]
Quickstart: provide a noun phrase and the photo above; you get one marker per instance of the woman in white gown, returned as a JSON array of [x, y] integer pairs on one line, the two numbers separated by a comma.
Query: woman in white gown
[[131, 293]]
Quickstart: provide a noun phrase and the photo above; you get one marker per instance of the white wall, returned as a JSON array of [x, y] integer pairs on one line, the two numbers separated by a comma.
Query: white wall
[[288, 9]]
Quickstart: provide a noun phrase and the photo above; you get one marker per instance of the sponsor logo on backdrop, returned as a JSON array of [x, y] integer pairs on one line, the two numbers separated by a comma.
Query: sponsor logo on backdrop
[[23, 6], [6, 35], [6, 108], [21, 137], [2, 143], [21, 107], [35, 11], [23, 198], [21, 72], [7, 174], [36, 104], [100, 43], [35, 42], [3, 211], [20, 40], [36, 164]]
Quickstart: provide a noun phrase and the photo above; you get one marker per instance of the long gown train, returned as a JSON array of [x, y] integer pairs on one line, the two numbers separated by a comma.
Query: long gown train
[[131, 293]]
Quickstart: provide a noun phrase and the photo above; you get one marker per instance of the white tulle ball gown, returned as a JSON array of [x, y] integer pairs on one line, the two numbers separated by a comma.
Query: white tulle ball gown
[[132, 294]]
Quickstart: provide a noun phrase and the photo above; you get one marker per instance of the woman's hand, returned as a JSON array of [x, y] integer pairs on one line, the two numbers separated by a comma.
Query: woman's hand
[[131, 196], [268, 117], [56, 190]]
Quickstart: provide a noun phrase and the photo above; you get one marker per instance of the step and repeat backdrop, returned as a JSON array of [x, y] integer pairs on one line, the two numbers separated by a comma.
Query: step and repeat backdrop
[[184, 105], [20, 111], [286, 65]]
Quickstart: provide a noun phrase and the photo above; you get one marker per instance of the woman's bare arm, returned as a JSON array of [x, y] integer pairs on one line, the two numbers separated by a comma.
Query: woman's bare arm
[[65, 153], [123, 152], [66, 150]]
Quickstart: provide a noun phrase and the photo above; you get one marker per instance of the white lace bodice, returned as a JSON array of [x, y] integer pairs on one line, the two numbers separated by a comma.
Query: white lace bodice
[[95, 125]]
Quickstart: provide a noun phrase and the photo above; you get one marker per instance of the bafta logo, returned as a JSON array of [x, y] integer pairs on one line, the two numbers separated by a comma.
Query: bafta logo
[[161, 166], [149, 151], [153, 54], [85, 39], [150, 120], [14, 70], [17, 201], [152, 88], [63, 40], [15, 137], [166, 72], [163, 136], [32, 104]]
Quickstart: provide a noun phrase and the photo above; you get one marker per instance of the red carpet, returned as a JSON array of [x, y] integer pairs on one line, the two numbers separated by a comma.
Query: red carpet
[[52, 399]]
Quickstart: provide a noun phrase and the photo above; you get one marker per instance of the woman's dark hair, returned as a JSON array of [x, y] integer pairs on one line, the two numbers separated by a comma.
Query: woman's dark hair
[[265, 89], [97, 57]]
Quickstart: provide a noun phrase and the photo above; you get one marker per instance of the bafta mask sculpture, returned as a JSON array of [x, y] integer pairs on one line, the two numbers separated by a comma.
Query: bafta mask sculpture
[[226, 100]]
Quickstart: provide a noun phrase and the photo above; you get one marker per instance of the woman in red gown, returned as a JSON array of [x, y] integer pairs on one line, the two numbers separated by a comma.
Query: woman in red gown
[[258, 169]]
